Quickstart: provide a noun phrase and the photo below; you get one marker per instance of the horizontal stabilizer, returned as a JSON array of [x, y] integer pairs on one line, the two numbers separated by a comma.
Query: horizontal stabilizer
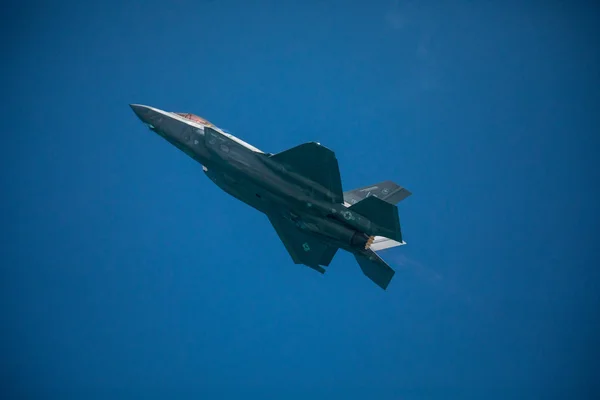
[[316, 163], [381, 213], [375, 269], [387, 190]]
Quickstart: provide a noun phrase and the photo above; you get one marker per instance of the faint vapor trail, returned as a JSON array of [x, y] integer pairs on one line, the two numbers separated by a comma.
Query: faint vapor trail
[[429, 275]]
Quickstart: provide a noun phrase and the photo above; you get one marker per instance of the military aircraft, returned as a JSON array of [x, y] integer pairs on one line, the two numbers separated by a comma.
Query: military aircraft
[[299, 190]]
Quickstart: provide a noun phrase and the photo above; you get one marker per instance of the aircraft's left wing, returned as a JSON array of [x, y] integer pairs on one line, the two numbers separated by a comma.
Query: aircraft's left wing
[[303, 248], [316, 163]]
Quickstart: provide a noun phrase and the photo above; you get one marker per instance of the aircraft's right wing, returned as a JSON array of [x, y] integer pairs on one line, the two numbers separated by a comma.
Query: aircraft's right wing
[[303, 248]]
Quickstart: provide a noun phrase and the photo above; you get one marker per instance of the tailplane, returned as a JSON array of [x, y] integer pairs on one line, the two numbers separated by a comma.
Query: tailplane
[[375, 268], [386, 190], [383, 243]]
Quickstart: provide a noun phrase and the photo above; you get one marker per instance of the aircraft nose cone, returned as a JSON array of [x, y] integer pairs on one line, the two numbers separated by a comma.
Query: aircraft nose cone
[[139, 110]]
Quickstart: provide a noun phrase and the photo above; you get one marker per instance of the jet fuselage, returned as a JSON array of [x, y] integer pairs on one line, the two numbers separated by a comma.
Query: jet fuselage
[[251, 176], [299, 190]]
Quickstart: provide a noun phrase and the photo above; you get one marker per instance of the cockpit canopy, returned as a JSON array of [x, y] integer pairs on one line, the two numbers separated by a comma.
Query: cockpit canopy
[[195, 118]]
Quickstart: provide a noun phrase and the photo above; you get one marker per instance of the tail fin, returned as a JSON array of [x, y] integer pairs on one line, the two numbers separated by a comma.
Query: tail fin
[[383, 216], [387, 190], [375, 268]]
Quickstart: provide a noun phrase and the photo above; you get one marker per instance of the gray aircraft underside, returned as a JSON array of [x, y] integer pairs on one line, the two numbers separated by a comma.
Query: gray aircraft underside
[[299, 190]]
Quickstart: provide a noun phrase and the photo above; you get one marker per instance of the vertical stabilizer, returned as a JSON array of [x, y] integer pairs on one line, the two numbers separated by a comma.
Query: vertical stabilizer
[[381, 213]]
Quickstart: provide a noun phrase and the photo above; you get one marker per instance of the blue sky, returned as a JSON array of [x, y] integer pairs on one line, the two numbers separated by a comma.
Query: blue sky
[[126, 271]]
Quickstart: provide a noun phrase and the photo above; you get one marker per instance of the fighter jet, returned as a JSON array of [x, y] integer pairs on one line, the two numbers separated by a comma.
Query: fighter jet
[[299, 190]]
